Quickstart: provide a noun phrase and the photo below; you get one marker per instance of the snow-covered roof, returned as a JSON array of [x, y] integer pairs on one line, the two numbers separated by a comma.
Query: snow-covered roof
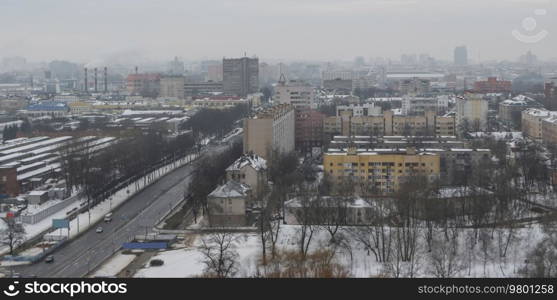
[[252, 160], [461, 191], [230, 189]]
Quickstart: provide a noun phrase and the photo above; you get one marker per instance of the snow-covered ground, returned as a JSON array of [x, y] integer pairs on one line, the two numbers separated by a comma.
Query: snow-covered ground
[[186, 261], [114, 265]]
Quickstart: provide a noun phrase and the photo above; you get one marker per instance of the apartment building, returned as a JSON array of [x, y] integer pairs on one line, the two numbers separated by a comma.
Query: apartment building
[[172, 87], [297, 93], [357, 110], [532, 119], [510, 110], [270, 130], [384, 169], [309, 130], [471, 112], [414, 105], [390, 123], [456, 158]]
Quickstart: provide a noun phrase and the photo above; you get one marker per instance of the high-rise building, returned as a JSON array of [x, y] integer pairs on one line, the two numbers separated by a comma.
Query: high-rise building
[[550, 90], [460, 56], [176, 67], [240, 76]]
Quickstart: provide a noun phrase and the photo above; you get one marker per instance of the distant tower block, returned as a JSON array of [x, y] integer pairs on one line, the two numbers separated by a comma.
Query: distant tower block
[[85, 86], [105, 79], [96, 86]]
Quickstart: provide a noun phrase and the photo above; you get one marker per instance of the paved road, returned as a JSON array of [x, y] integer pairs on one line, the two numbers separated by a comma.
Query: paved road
[[136, 216]]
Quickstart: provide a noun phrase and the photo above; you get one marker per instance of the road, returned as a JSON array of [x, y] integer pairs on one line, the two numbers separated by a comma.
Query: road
[[135, 216]]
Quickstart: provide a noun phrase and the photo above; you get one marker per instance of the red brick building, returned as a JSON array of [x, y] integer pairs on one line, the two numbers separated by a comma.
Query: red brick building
[[492, 85], [309, 129], [8, 182], [146, 85]]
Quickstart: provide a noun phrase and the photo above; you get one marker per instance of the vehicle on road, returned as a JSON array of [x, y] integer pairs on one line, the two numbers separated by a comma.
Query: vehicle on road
[[108, 218], [49, 259], [99, 229]]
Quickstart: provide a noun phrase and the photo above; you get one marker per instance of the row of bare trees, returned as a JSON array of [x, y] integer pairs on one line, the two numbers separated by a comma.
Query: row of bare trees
[[99, 174]]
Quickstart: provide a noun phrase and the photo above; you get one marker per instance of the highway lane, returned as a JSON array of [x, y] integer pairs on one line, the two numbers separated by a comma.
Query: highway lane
[[135, 216]]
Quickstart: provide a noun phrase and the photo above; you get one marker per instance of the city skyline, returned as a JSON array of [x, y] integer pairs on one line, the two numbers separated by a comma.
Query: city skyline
[[110, 31]]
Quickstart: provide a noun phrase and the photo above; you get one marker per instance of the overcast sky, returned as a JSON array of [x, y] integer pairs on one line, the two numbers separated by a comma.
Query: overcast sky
[[93, 30]]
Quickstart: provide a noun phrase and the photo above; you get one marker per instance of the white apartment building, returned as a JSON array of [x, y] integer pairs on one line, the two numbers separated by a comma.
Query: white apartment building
[[359, 110], [413, 105], [471, 111], [299, 94]]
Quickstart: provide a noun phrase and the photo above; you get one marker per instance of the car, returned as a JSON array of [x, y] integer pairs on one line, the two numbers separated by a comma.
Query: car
[[108, 218], [99, 229], [49, 259]]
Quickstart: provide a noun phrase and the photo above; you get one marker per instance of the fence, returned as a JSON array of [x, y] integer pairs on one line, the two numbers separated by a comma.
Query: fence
[[41, 215], [35, 258]]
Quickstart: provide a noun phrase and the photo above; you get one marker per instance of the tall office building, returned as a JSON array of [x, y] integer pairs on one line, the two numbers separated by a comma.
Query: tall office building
[[240, 76], [176, 67], [461, 56]]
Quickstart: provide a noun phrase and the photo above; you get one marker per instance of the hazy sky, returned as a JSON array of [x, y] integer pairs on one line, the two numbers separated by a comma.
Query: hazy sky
[[96, 30]]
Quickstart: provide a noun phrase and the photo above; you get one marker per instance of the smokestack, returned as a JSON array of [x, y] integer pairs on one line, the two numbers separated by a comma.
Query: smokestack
[[85, 82], [135, 69], [105, 79], [96, 80]]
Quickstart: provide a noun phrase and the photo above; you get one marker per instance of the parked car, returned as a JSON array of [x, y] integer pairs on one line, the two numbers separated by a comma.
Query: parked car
[[49, 259], [99, 229]]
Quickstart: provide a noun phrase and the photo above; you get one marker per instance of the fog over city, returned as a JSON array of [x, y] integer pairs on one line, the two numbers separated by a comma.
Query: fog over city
[[278, 139], [130, 30]]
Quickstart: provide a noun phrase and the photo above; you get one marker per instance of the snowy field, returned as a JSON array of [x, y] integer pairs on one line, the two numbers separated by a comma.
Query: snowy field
[[114, 265], [484, 261]]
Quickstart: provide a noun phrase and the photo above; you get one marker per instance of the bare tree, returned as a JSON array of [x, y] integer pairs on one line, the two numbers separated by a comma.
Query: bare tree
[[444, 260], [219, 254], [13, 235]]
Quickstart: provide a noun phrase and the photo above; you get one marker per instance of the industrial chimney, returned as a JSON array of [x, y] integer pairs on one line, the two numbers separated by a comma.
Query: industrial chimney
[[135, 69], [105, 79], [96, 86], [85, 82]]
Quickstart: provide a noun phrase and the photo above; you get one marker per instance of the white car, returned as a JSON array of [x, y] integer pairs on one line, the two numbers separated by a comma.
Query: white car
[[99, 229]]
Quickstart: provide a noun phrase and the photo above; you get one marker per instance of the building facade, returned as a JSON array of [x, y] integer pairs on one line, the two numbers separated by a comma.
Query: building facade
[[270, 130], [297, 93], [309, 130], [384, 171], [146, 85], [492, 85], [172, 87], [389, 124], [471, 112], [240, 76]]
